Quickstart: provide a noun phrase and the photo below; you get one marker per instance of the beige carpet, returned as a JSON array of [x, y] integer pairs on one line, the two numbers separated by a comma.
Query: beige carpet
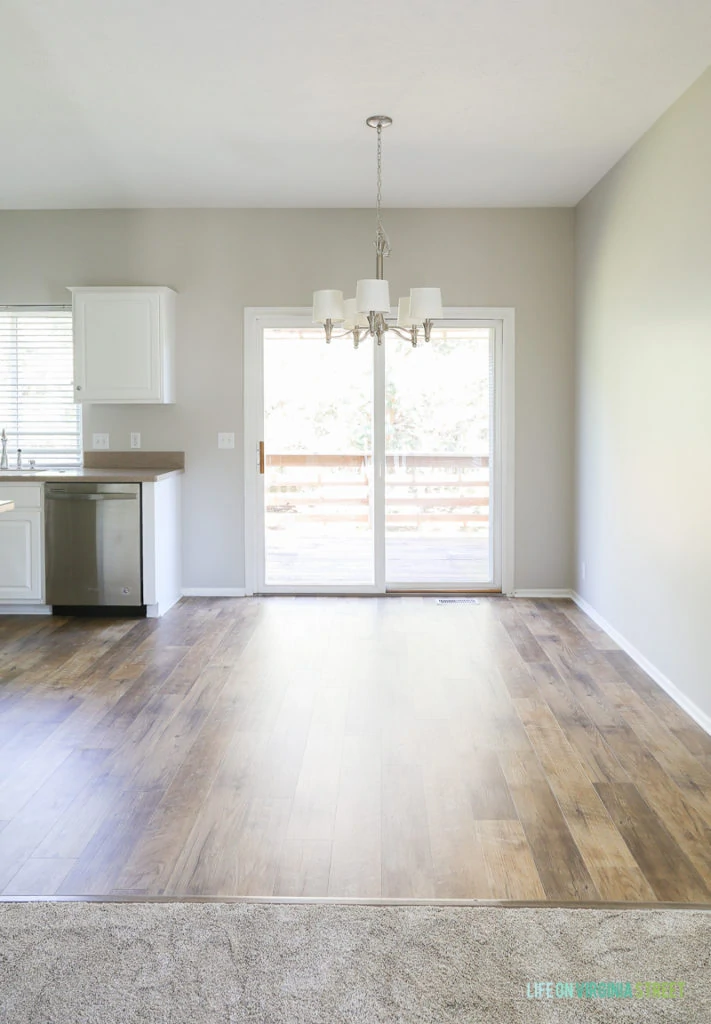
[[197, 963]]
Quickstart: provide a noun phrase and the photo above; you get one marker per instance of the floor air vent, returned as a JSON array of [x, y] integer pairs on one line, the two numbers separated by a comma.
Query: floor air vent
[[457, 600]]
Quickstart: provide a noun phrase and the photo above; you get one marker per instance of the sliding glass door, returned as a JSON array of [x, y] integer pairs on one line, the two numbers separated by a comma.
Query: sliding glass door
[[318, 462], [439, 403], [378, 467]]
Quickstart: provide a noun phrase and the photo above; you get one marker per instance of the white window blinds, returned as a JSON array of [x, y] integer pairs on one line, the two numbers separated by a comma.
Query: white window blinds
[[37, 406]]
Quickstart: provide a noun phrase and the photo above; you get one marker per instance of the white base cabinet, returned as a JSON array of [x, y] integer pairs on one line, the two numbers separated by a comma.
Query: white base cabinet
[[22, 545], [162, 545], [124, 345], [22, 585]]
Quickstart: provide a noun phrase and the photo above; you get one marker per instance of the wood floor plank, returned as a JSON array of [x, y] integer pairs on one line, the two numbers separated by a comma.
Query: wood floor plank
[[677, 761], [595, 636], [74, 829], [558, 861], [39, 877], [97, 868], [696, 741], [356, 858], [315, 800], [159, 848], [407, 856], [523, 639], [36, 815], [259, 851], [304, 868], [678, 813], [486, 787], [614, 871], [458, 862], [510, 867], [206, 863], [598, 761], [560, 865], [316, 795], [669, 871]]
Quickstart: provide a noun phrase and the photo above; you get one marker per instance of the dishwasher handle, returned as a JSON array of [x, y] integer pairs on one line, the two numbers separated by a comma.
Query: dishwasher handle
[[66, 496]]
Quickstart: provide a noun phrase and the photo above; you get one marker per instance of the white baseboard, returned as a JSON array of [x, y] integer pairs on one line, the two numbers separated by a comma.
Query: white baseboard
[[214, 592], [157, 611], [543, 593], [25, 609], [695, 712], [241, 592]]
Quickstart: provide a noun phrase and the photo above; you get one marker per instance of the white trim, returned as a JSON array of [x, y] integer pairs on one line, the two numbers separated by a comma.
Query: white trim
[[157, 611], [257, 317], [551, 594], [214, 592], [148, 544], [378, 462], [442, 590], [700, 717], [25, 609], [507, 446]]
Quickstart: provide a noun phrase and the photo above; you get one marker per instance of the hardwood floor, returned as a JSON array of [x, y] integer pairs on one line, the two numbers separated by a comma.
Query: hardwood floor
[[346, 747]]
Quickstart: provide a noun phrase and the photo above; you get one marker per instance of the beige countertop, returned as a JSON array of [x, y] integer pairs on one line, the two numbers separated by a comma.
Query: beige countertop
[[6, 506], [105, 467], [144, 475]]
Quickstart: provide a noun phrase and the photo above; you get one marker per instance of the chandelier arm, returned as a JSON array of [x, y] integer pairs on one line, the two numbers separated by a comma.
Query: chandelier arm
[[402, 332], [337, 337]]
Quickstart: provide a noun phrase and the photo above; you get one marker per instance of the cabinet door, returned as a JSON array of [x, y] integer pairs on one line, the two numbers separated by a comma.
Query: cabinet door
[[117, 347], [21, 555]]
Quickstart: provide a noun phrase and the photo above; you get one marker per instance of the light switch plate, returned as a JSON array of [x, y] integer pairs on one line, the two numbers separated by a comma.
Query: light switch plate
[[100, 441], [225, 440], [135, 440]]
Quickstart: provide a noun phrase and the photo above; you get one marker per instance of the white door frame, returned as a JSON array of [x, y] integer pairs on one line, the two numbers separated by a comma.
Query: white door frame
[[256, 318]]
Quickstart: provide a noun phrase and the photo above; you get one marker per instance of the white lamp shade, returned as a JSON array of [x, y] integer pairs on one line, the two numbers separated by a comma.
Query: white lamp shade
[[328, 305], [403, 315], [425, 304], [352, 318], [372, 297]]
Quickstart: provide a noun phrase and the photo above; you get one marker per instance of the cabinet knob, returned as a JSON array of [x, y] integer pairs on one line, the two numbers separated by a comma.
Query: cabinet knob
[[78, 387]]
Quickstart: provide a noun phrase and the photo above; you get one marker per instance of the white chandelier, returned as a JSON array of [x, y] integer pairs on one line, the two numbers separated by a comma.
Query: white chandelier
[[367, 313]]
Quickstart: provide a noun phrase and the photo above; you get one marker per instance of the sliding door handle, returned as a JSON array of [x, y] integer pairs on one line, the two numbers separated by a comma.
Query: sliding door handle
[[261, 457]]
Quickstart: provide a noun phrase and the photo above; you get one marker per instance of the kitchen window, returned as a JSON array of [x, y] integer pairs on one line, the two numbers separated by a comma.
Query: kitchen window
[[37, 407]]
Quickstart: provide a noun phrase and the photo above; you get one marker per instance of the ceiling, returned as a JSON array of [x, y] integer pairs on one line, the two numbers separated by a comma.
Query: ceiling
[[129, 103]]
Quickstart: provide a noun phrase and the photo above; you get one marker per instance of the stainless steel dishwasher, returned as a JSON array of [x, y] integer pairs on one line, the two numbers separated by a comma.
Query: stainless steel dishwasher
[[93, 545]]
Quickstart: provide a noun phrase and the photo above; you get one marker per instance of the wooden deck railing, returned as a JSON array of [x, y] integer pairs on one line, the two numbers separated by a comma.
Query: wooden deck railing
[[312, 493]]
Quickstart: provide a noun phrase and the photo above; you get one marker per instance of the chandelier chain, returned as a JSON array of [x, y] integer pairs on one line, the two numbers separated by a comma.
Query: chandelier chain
[[382, 242]]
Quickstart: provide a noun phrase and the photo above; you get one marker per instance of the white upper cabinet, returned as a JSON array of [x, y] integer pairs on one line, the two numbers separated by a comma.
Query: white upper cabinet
[[124, 344]]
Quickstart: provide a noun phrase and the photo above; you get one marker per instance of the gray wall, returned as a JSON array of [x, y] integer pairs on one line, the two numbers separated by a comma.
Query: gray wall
[[644, 395], [223, 260]]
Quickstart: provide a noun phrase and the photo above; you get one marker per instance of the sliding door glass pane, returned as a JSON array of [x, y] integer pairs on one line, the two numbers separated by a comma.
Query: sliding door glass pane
[[318, 438], [438, 444]]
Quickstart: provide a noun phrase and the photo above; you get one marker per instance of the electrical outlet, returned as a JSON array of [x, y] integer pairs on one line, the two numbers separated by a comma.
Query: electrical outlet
[[225, 440], [135, 440], [100, 441]]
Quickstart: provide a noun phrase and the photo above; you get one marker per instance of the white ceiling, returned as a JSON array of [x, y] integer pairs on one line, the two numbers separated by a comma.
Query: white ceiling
[[111, 103]]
